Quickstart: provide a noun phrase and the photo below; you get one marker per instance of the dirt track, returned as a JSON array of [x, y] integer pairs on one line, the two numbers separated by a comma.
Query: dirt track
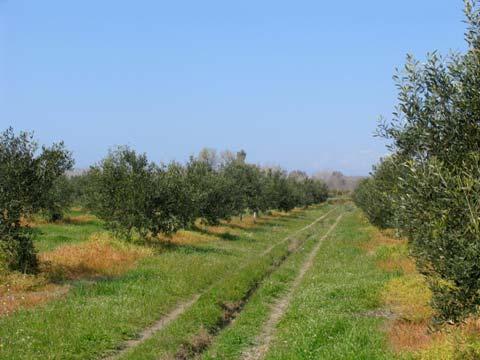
[[278, 310], [184, 306]]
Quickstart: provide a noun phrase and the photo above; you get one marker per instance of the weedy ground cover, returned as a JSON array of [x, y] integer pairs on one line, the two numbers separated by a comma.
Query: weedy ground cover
[[98, 315]]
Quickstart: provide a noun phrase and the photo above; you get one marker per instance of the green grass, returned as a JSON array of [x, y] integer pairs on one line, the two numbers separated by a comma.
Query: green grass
[[205, 314], [233, 340], [50, 235], [328, 317], [96, 317]]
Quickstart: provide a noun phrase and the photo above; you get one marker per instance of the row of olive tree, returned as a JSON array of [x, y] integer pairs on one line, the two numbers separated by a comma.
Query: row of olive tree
[[29, 180], [132, 194], [377, 194], [136, 196], [430, 188]]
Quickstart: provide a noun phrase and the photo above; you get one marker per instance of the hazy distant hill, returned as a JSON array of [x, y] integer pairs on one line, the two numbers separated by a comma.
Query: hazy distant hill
[[335, 180]]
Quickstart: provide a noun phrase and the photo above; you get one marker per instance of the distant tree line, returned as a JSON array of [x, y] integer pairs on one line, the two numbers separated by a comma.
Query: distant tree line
[[337, 182], [134, 196], [429, 189]]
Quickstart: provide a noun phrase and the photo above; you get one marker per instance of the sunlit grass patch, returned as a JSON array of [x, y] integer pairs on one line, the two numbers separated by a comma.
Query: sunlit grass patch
[[77, 227], [227, 230], [100, 256]]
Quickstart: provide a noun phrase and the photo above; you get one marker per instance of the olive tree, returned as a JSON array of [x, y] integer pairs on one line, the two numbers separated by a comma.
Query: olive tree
[[59, 198], [131, 194], [248, 183], [211, 192], [436, 134], [378, 195], [280, 190], [28, 176]]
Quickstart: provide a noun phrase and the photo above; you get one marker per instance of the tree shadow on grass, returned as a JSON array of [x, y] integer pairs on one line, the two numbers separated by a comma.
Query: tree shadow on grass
[[223, 236], [163, 246], [260, 226]]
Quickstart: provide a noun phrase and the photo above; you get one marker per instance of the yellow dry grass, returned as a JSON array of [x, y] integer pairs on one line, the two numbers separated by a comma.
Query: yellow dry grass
[[36, 220], [98, 257], [454, 342], [407, 295], [409, 298], [101, 256], [10, 303], [406, 336], [404, 265], [29, 222], [248, 222], [381, 238], [185, 237], [78, 219]]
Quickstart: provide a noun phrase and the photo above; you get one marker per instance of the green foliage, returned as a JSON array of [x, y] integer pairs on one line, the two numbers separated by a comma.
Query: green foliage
[[135, 196], [27, 180], [377, 195], [246, 185], [59, 198], [79, 187], [279, 190], [440, 216], [18, 251], [435, 135], [307, 191], [212, 198]]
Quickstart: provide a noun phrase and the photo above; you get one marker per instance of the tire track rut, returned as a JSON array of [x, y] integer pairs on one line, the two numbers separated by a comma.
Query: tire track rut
[[173, 314], [265, 338]]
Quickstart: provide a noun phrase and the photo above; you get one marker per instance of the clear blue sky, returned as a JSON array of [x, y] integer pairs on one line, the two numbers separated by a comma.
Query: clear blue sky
[[299, 83]]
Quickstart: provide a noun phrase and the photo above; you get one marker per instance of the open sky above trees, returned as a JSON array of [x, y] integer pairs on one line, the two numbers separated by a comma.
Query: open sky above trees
[[299, 84]]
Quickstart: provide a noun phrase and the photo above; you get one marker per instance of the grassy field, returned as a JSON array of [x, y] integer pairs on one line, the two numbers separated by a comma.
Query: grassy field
[[304, 285], [76, 228], [328, 316]]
